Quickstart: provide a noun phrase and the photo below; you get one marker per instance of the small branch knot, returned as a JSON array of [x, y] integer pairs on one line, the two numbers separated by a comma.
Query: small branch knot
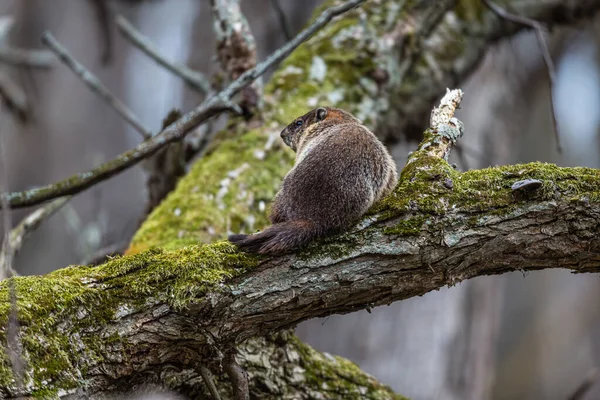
[[445, 129], [448, 105], [453, 130]]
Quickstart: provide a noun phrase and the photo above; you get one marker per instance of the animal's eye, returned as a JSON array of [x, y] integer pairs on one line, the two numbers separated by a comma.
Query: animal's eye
[[299, 122]]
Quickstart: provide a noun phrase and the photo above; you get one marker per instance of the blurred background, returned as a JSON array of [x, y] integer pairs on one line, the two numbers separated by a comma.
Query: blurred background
[[515, 336]]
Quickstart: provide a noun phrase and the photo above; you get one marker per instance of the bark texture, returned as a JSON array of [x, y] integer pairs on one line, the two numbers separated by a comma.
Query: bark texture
[[171, 306]]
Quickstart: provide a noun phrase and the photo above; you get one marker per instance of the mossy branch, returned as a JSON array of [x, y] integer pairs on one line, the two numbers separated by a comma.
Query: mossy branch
[[438, 228], [155, 316]]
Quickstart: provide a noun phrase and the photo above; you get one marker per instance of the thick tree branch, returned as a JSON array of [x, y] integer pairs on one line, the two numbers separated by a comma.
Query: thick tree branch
[[236, 49], [438, 228], [152, 316]]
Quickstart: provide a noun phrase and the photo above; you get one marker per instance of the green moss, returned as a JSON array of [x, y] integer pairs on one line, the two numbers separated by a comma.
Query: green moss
[[228, 190], [45, 394], [351, 50], [334, 374], [178, 277], [406, 227], [195, 212], [334, 247], [470, 10], [429, 184]]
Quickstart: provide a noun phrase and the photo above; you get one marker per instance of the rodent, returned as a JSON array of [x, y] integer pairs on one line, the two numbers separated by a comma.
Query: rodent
[[341, 170]]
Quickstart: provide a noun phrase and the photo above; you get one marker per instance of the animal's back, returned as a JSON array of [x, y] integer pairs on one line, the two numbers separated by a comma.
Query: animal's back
[[341, 170], [337, 180]]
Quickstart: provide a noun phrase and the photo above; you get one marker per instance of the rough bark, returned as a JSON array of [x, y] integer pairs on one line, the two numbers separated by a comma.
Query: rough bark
[[156, 316], [135, 315]]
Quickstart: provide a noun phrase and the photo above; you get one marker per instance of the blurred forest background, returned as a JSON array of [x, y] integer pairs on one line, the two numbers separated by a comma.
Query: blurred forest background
[[502, 337]]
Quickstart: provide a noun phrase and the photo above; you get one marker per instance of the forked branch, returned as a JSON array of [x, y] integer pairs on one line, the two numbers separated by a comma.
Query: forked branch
[[176, 131]]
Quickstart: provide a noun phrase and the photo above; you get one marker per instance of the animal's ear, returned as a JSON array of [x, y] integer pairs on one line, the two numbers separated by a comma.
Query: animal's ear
[[321, 113]]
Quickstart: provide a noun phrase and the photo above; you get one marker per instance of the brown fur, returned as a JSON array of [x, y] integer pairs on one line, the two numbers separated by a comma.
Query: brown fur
[[341, 170]]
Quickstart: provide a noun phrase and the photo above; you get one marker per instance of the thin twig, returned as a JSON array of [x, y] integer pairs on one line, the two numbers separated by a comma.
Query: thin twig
[[176, 131], [539, 31], [21, 57], [285, 26], [239, 378], [30, 223], [14, 96], [208, 380], [94, 84], [590, 380], [195, 79], [26, 57]]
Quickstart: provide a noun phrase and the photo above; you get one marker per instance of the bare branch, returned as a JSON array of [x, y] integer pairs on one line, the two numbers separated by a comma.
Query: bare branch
[[16, 237], [26, 57], [29, 224], [239, 378], [21, 57], [539, 31], [208, 380], [588, 383], [444, 126], [195, 79], [94, 84], [236, 49], [14, 97], [176, 131], [11, 93]]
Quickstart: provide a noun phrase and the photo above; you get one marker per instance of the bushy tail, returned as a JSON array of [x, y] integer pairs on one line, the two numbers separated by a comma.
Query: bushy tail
[[278, 238]]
